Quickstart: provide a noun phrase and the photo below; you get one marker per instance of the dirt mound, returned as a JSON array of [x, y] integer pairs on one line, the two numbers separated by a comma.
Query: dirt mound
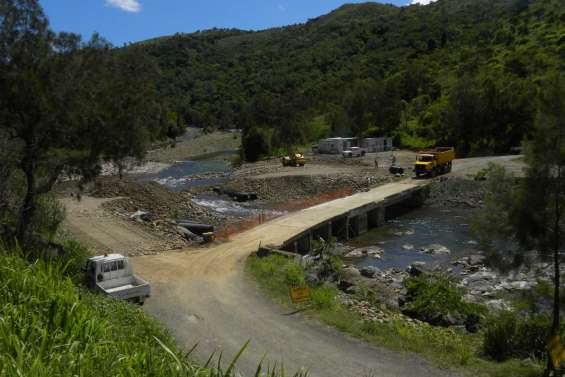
[[457, 193], [159, 201], [285, 188]]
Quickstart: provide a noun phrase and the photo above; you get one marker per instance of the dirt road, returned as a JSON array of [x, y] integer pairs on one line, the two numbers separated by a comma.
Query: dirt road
[[97, 228], [204, 298]]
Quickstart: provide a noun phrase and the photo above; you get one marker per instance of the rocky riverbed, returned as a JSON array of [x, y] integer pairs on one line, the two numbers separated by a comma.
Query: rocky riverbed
[[379, 294]]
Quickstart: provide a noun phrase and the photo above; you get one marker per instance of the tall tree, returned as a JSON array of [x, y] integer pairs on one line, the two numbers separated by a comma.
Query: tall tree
[[542, 219], [65, 105], [531, 214]]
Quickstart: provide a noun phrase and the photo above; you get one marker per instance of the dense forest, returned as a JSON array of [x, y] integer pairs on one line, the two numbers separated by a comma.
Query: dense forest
[[458, 72]]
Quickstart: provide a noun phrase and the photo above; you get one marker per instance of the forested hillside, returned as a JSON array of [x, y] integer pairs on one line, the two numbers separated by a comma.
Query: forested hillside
[[458, 72]]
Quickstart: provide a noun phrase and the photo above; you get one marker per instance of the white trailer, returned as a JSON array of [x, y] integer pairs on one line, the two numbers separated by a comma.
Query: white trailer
[[112, 275], [377, 144], [336, 145]]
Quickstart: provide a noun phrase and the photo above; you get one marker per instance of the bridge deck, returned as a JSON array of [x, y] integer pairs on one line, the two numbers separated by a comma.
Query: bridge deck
[[291, 226]]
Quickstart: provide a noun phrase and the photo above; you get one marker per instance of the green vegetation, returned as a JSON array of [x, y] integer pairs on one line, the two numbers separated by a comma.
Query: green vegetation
[[508, 335], [432, 298], [445, 346], [456, 72], [528, 214]]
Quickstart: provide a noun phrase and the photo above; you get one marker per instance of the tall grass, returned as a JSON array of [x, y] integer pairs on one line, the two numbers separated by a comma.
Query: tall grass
[[49, 327]]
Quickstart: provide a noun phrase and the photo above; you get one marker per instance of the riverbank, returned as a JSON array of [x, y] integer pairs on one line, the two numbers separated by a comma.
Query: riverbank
[[364, 316], [195, 143]]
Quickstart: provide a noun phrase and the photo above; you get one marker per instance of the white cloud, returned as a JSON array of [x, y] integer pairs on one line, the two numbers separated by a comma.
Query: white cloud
[[281, 7], [132, 6], [421, 2]]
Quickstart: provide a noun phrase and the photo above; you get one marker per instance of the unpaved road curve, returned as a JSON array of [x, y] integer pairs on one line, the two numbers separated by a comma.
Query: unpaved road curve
[[204, 297]]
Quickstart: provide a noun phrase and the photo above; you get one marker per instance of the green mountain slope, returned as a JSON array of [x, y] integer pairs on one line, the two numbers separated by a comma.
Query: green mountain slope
[[462, 72]]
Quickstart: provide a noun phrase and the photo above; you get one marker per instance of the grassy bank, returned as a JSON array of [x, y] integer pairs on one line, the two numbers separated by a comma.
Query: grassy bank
[[49, 326], [445, 347]]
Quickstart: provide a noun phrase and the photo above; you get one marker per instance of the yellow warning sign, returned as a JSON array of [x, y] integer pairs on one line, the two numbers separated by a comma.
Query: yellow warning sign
[[298, 295], [556, 351]]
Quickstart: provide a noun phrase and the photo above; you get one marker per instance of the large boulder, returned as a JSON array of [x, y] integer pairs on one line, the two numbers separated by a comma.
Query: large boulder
[[476, 260], [435, 249], [370, 271], [361, 252], [350, 272], [417, 268]]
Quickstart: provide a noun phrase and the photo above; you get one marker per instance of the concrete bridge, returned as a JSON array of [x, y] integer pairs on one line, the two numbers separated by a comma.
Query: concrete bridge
[[351, 216]]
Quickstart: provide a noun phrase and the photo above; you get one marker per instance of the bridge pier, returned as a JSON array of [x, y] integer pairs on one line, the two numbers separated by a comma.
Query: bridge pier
[[340, 229], [376, 217], [324, 231]]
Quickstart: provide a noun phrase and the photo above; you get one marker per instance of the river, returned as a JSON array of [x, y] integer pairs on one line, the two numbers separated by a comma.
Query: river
[[210, 169], [402, 236]]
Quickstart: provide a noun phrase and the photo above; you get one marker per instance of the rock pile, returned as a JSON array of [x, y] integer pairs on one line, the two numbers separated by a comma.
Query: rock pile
[[293, 187]]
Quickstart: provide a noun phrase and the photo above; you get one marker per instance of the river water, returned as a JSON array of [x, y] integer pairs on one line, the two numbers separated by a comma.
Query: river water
[[208, 170], [190, 173], [402, 236]]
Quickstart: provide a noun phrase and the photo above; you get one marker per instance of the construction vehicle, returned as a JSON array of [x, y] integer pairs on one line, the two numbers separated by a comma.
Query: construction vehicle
[[435, 161], [112, 274], [295, 159]]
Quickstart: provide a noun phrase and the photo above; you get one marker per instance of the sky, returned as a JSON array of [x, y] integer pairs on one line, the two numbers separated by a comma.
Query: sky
[[122, 21]]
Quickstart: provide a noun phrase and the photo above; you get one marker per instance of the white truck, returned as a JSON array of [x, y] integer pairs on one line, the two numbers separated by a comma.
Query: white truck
[[354, 152], [112, 275]]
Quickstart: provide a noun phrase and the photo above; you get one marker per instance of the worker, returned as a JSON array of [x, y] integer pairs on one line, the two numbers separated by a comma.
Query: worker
[[376, 162]]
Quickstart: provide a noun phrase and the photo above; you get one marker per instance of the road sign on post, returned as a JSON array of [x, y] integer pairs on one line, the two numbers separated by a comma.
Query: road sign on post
[[298, 295], [556, 351]]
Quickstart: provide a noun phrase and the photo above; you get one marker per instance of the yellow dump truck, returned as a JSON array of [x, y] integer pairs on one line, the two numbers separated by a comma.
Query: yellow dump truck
[[296, 159], [435, 161]]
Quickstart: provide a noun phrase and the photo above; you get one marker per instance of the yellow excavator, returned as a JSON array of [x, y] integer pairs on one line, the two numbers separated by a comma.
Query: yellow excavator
[[295, 159]]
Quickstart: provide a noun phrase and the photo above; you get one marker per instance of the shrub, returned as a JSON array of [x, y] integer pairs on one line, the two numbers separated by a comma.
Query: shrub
[[294, 275], [432, 298], [507, 336], [323, 297]]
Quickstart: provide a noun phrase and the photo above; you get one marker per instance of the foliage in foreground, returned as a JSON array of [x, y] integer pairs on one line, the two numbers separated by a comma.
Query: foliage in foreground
[[49, 327], [508, 335], [447, 347]]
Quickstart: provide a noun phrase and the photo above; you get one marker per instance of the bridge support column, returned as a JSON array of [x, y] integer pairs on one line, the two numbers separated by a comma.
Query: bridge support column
[[418, 198], [303, 245], [376, 217], [339, 229], [324, 232], [358, 225]]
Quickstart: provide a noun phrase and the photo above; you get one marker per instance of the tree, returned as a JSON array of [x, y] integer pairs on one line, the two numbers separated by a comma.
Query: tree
[[531, 213], [65, 105], [543, 195]]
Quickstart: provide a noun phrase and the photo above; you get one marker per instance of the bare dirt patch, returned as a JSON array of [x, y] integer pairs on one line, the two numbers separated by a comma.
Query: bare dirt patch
[[195, 144]]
